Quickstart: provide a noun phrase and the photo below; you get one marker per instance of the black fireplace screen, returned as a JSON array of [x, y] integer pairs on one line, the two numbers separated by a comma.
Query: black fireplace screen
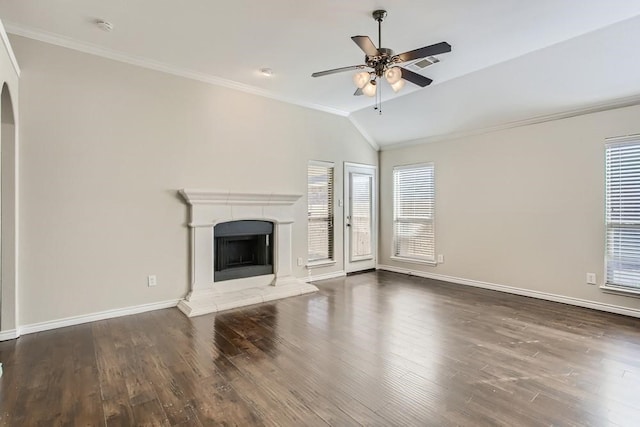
[[242, 249]]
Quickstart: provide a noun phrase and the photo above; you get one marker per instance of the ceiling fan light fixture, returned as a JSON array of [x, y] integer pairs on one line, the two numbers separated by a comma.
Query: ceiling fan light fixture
[[361, 79], [393, 75], [397, 85], [370, 88]]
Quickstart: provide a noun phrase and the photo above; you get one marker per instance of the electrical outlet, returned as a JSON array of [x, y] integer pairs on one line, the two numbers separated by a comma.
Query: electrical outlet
[[151, 281], [300, 261], [440, 259], [591, 278]]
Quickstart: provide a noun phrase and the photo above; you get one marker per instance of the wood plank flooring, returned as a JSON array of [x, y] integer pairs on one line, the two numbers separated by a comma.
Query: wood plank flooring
[[372, 349]]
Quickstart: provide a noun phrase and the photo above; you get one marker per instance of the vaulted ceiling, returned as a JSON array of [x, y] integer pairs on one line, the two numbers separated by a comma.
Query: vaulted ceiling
[[512, 61]]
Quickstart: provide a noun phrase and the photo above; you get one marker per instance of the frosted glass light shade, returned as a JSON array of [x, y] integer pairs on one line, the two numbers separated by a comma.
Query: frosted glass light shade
[[370, 88], [397, 85], [361, 79], [393, 75]]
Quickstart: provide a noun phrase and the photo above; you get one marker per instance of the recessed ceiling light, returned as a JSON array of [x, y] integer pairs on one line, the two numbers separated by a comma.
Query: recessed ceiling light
[[266, 72], [104, 25]]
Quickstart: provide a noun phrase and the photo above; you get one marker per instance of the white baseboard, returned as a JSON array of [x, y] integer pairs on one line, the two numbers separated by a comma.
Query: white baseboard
[[10, 334], [610, 308], [326, 276], [102, 315]]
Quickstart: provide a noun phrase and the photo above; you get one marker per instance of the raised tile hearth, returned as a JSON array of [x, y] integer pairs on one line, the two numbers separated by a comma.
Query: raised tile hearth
[[209, 208]]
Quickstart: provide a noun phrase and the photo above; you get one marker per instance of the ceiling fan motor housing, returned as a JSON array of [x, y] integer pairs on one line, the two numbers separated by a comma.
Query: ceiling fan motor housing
[[380, 62]]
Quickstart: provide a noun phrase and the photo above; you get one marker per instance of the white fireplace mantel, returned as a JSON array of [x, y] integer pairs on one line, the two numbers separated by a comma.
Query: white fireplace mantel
[[208, 208], [206, 197]]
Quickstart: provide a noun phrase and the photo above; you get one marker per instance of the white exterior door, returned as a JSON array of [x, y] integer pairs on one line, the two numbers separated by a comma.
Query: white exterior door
[[360, 217]]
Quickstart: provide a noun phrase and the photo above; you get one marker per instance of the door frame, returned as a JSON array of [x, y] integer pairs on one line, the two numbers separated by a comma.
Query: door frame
[[8, 214], [347, 168]]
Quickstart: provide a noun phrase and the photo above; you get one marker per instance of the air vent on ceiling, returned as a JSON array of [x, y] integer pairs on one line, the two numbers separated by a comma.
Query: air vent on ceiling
[[423, 63]]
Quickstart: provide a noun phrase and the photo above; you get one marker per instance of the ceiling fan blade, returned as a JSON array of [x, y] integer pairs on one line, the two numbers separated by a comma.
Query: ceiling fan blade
[[358, 92], [366, 45], [415, 78], [423, 52], [337, 70]]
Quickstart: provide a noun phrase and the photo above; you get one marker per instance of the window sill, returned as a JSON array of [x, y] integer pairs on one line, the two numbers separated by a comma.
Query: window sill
[[414, 261], [621, 291], [320, 264]]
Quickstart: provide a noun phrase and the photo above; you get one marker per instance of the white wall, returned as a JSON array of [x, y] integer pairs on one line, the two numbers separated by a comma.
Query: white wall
[[105, 146], [9, 79], [522, 207]]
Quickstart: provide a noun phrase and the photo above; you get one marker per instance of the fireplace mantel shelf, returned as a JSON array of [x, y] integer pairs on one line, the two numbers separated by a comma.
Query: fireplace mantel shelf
[[195, 197]]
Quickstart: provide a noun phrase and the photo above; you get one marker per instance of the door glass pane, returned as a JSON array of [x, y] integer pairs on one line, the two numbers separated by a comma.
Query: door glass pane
[[361, 245]]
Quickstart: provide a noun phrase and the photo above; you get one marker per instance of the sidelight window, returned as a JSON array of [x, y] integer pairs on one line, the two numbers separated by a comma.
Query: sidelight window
[[320, 211]]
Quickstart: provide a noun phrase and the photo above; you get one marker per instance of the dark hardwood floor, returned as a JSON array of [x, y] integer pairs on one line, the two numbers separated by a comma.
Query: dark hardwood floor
[[372, 349]]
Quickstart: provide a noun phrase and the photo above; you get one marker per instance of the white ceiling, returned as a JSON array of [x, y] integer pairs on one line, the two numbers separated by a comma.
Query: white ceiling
[[511, 61]]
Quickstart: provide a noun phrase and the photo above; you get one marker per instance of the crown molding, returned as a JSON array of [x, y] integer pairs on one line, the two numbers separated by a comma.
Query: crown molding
[[12, 57], [69, 43], [614, 104]]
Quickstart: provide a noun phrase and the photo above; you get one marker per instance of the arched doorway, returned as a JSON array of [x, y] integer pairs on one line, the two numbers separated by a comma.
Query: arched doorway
[[7, 213]]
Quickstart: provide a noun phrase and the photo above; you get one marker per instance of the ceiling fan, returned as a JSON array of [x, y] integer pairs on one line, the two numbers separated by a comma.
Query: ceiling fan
[[383, 62]]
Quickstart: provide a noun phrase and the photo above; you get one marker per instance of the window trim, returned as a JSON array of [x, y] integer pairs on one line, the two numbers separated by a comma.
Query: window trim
[[617, 290], [423, 261], [316, 263]]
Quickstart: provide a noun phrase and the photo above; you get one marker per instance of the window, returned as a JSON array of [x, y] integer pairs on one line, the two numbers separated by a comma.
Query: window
[[320, 201], [413, 212], [623, 214]]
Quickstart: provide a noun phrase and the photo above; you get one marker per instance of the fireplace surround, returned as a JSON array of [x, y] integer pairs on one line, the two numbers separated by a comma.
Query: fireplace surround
[[211, 210]]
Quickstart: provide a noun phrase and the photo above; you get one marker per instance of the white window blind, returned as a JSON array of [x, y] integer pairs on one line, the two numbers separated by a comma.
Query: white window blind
[[361, 215], [623, 214], [413, 212], [320, 209]]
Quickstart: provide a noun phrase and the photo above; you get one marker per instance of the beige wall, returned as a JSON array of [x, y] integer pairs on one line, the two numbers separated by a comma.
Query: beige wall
[[104, 148], [9, 80], [521, 207]]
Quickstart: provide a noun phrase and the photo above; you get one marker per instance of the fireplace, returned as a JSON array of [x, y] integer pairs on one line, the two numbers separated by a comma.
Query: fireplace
[[243, 249]]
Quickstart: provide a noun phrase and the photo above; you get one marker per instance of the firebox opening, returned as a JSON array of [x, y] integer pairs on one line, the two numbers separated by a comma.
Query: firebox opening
[[243, 249]]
